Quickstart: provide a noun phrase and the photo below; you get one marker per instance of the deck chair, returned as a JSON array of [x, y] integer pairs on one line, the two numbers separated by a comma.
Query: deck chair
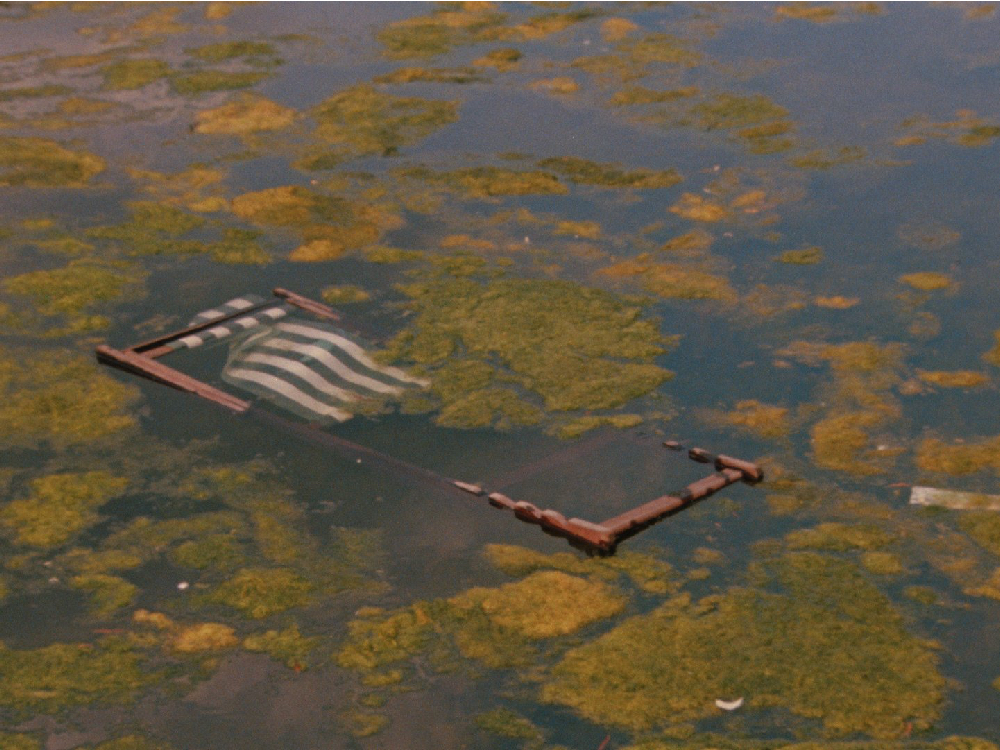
[[295, 354]]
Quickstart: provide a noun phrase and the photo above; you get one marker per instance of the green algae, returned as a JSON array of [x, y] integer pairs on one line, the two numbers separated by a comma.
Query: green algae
[[807, 647], [993, 355], [362, 120], [214, 551], [331, 225], [431, 75], [882, 563], [574, 428], [288, 646], [838, 537], [10, 741], [815, 12], [41, 163], [376, 638], [958, 459], [586, 172], [805, 257], [503, 722], [345, 294], [221, 51], [761, 419], [658, 48], [48, 679], [262, 592], [204, 81], [672, 280], [927, 281], [545, 604], [838, 442], [486, 182], [729, 111], [204, 636], [823, 159], [108, 594], [646, 572], [572, 347], [245, 115], [503, 59], [953, 378], [129, 75], [699, 208], [34, 92], [441, 31], [59, 507], [632, 96], [72, 290]]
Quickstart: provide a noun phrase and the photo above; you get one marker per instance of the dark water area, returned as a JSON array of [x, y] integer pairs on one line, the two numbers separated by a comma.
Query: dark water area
[[764, 229]]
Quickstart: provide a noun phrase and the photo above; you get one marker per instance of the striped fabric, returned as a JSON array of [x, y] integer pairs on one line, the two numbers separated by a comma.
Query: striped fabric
[[234, 325], [314, 370]]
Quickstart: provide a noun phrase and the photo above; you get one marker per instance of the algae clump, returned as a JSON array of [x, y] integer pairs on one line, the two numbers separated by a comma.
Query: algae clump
[[288, 645], [73, 289], [572, 347], [202, 81], [545, 604], [108, 594], [60, 398], [804, 257], [59, 507], [486, 182], [128, 75], [48, 679], [261, 592], [953, 378], [959, 458], [825, 645], [672, 280], [250, 114], [345, 294], [361, 120], [927, 281], [447, 27], [38, 162], [586, 172]]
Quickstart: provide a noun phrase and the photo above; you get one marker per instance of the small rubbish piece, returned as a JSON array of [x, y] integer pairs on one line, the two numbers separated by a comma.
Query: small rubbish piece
[[729, 705], [183, 586], [954, 499]]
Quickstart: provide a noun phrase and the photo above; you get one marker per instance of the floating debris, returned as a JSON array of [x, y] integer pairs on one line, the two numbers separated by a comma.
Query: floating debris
[[954, 499], [728, 705]]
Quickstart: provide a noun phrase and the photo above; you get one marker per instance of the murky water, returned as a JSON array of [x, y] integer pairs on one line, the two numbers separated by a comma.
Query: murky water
[[764, 229]]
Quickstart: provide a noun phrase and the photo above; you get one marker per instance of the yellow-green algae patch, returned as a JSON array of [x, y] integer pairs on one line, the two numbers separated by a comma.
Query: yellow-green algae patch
[[261, 592], [439, 32], [503, 722], [331, 225], [248, 114], [953, 378], [45, 680], [432, 75], [345, 294], [220, 51], [545, 604], [128, 75], [108, 594], [362, 120], [808, 647], [761, 419], [958, 458], [804, 257], [672, 280], [646, 572], [485, 182], [586, 172], [59, 507], [288, 645], [839, 537], [927, 281], [202, 81], [39, 162], [993, 355], [73, 289], [570, 346], [60, 398]]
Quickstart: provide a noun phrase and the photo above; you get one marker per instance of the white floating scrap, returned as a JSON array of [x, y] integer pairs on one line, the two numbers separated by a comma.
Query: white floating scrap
[[954, 499], [729, 705]]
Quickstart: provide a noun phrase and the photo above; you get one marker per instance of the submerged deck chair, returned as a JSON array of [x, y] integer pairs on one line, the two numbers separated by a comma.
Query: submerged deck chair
[[289, 350]]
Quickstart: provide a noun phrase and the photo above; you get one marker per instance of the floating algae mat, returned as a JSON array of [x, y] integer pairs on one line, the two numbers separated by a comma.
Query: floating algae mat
[[323, 374], [560, 236]]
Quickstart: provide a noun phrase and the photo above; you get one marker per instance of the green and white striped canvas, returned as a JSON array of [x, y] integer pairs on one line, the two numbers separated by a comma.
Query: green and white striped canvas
[[312, 369]]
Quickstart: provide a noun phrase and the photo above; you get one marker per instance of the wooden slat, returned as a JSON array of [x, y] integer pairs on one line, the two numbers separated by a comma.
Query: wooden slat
[[150, 369], [304, 303]]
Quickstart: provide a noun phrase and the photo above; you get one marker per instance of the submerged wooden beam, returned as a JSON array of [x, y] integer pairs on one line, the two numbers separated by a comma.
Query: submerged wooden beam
[[143, 366], [304, 303]]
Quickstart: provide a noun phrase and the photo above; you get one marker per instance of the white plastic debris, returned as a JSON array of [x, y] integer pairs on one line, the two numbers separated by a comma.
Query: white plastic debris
[[729, 705], [183, 586], [953, 499]]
